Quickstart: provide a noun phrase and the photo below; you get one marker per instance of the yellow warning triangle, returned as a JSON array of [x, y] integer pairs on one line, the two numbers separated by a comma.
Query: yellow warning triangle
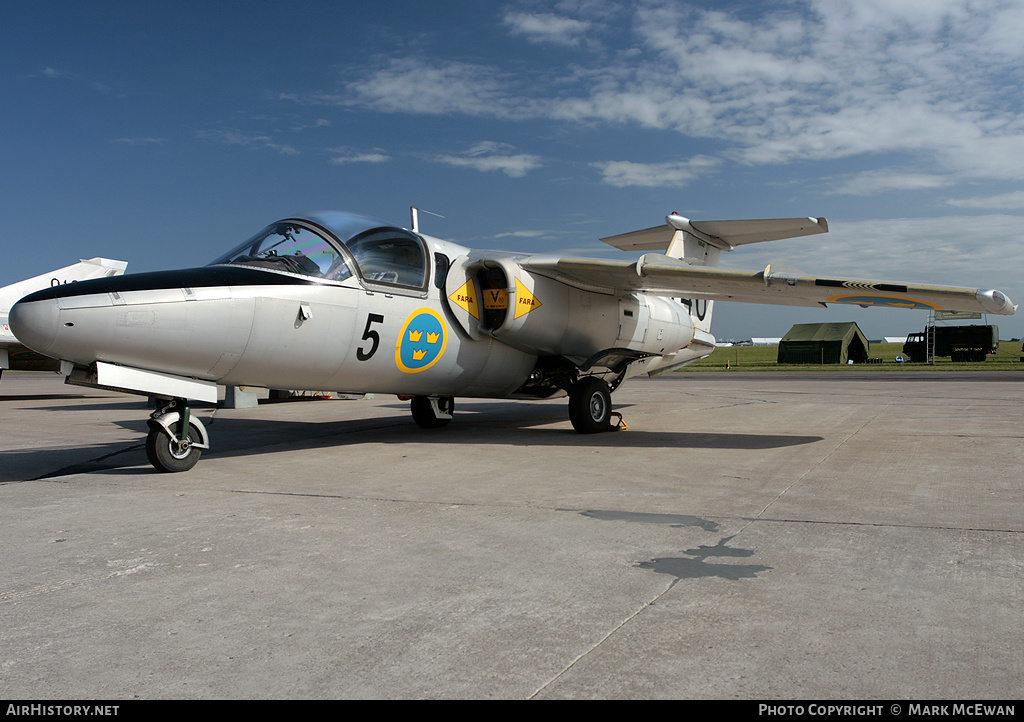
[[465, 298], [525, 301]]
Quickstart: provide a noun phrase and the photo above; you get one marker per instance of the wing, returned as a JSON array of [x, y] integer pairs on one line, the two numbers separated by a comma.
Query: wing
[[664, 276]]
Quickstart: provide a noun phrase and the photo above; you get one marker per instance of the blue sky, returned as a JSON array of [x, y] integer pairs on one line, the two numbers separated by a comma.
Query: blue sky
[[163, 133]]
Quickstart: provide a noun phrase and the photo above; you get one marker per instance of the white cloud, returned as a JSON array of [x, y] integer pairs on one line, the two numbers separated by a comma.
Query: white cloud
[[873, 182], [429, 87], [255, 140], [547, 28], [74, 77], [140, 141], [522, 234], [1005, 201], [344, 156], [54, 73], [934, 80], [299, 127], [491, 156], [628, 173]]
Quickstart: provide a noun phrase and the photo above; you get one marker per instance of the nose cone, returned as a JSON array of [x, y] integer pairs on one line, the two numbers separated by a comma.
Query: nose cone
[[35, 323]]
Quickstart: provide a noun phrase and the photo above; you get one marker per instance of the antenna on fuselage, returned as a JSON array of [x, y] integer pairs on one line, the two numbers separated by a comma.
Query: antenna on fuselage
[[416, 217]]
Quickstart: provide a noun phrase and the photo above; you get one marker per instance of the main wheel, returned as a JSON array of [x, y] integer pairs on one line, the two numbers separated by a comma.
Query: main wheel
[[423, 412], [590, 405], [170, 456]]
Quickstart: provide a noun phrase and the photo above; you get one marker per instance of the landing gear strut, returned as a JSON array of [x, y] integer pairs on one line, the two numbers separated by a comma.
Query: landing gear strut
[[176, 438], [432, 412], [590, 405]]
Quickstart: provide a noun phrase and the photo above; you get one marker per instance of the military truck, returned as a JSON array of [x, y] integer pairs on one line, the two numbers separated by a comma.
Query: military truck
[[960, 343]]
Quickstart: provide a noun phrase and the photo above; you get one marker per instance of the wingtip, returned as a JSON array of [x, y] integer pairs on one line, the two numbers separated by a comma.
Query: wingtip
[[994, 301]]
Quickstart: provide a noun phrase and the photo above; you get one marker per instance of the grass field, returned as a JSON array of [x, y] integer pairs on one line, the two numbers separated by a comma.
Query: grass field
[[763, 358]]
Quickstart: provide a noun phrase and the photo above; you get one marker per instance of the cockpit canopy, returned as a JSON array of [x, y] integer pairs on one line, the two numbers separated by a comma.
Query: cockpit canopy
[[334, 246]]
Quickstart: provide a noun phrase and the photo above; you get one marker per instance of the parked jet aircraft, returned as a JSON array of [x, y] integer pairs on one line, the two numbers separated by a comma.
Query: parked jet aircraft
[[335, 301], [14, 355]]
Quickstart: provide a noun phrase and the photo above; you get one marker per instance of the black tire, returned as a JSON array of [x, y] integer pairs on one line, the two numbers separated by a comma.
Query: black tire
[[423, 412], [590, 405], [165, 456]]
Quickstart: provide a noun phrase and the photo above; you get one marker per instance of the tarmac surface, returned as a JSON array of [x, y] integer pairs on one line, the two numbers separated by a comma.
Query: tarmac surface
[[751, 536]]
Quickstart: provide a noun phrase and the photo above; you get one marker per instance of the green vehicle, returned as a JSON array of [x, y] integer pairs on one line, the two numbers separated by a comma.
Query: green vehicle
[[960, 343]]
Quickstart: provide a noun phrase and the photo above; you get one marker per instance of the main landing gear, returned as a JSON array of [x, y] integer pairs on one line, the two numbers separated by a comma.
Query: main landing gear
[[432, 412], [176, 438], [590, 408], [590, 405]]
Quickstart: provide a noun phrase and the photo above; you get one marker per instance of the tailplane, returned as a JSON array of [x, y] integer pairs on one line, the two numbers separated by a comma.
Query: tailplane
[[700, 243]]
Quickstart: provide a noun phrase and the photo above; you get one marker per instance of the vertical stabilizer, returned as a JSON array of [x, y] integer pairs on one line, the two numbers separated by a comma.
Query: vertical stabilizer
[[81, 271], [689, 247]]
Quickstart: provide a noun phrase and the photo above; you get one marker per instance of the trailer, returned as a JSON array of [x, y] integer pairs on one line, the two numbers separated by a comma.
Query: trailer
[[960, 343]]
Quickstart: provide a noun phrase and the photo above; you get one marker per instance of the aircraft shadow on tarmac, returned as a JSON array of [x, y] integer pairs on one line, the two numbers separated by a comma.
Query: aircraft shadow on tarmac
[[522, 424], [40, 397], [696, 563]]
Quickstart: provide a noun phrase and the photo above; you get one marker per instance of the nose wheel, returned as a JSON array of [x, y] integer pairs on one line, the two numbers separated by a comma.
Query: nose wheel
[[176, 440], [171, 455]]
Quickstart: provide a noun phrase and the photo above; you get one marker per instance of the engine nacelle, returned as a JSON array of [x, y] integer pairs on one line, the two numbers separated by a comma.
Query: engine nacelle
[[496, 297]]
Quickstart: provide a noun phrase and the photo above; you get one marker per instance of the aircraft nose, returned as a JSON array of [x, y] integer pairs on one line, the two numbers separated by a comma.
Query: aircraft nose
[[35, 323]]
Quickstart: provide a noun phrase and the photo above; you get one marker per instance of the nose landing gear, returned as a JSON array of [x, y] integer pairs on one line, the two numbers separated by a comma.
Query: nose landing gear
[[176, 438]]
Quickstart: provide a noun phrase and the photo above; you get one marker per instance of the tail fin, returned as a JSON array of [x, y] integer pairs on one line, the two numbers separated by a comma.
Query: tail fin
[[84, 269]]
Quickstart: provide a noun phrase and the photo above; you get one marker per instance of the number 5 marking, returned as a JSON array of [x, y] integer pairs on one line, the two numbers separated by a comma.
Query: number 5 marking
[[372, 336]]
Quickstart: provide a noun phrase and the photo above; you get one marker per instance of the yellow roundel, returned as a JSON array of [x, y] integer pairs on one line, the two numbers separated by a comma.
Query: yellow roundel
[[421, 342]]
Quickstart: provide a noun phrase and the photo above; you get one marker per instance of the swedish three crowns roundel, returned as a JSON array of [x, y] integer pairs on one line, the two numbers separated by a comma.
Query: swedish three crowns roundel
[[422, 341]]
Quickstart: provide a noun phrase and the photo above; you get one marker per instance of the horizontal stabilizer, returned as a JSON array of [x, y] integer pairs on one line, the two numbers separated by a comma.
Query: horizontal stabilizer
[[724, 235]]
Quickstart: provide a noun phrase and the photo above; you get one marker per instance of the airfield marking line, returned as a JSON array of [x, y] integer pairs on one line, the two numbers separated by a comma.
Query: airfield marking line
[[877, 524], [604, 639]]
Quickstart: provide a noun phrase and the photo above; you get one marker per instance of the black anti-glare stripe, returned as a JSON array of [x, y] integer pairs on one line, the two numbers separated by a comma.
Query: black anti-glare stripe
[[183, 278], [890, 287]]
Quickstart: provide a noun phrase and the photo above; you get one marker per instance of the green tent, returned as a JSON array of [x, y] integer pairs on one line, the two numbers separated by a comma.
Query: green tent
[[823, 343]]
